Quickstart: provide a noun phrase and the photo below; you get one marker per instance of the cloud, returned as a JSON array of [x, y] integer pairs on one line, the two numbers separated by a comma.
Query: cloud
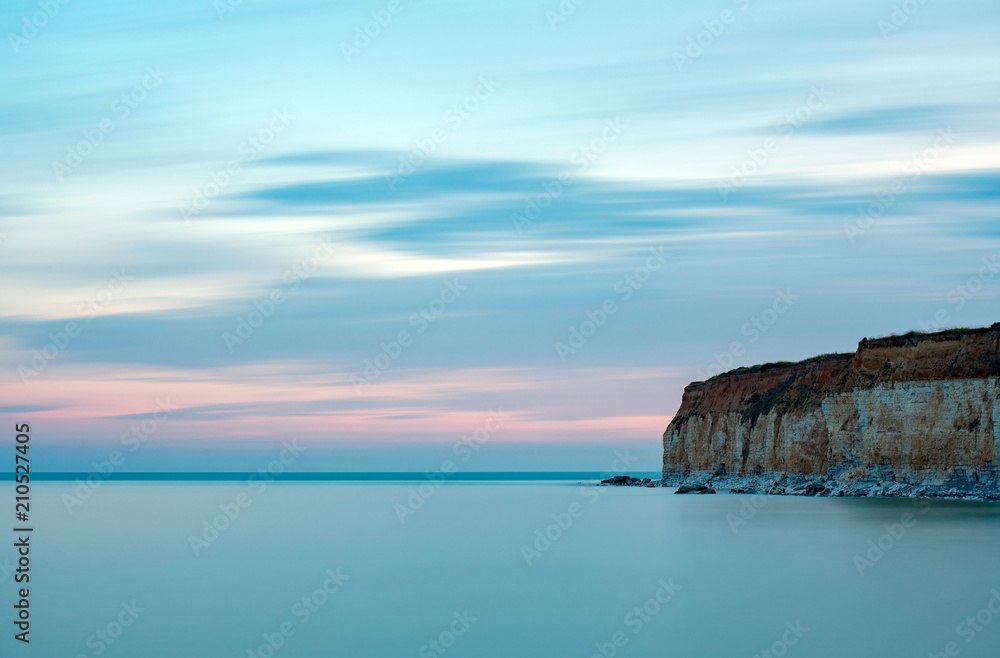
[[25, 408], [425, 183], [346, 158], [399, 240], [884, 120]]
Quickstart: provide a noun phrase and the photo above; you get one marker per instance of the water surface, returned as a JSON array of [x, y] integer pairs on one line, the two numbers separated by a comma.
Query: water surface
[[457, 571]]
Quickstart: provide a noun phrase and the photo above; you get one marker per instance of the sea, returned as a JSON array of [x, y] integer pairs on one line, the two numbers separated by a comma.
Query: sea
[[526, 566]]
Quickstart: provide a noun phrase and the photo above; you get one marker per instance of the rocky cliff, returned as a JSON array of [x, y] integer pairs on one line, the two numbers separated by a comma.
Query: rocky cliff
[[906, 415]]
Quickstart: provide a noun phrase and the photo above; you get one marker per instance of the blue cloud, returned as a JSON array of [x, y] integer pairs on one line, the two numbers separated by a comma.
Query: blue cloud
[[25, 408], [883, 120]]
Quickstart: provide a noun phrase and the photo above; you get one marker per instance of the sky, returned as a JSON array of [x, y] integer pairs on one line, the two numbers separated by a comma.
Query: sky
[[501, 235]]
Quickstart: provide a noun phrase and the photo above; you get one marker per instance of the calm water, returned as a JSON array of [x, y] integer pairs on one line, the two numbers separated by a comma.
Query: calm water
[[456, 572]]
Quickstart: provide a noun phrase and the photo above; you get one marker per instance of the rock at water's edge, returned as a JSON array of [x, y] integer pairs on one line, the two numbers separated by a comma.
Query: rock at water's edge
[[914, 415]]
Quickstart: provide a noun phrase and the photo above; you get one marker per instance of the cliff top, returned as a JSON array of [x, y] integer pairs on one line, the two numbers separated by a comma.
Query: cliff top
[[894, 340], [913, 337]]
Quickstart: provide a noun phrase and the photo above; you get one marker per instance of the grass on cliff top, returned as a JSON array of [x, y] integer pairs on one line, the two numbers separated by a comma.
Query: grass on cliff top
[[777, 364], [945, 332], [910, 334]]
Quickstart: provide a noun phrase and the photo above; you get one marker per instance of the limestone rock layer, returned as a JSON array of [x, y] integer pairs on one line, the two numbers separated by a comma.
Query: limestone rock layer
[[919, 406]]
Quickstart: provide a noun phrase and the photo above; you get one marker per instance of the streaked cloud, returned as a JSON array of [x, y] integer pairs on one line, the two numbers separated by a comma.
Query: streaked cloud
[[532, 149]]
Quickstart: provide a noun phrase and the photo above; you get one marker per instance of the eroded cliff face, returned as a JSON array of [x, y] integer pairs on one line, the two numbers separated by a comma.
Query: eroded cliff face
[[916, 408]]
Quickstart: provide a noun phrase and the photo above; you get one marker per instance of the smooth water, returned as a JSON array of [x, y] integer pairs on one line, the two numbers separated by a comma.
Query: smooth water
[[787, 580]]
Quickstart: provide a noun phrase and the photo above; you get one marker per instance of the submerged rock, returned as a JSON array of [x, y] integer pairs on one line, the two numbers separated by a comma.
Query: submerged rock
[[629, 481]]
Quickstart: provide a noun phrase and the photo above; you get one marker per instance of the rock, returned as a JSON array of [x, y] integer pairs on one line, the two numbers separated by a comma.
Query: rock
[[629, 481], [920, 410], [698, 489], [815, 489]]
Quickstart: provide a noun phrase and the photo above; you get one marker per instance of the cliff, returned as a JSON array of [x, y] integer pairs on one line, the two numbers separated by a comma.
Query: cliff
[[906, 415]]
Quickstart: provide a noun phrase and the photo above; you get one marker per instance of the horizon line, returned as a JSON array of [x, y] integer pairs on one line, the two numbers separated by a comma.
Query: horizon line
[[235, 476]]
